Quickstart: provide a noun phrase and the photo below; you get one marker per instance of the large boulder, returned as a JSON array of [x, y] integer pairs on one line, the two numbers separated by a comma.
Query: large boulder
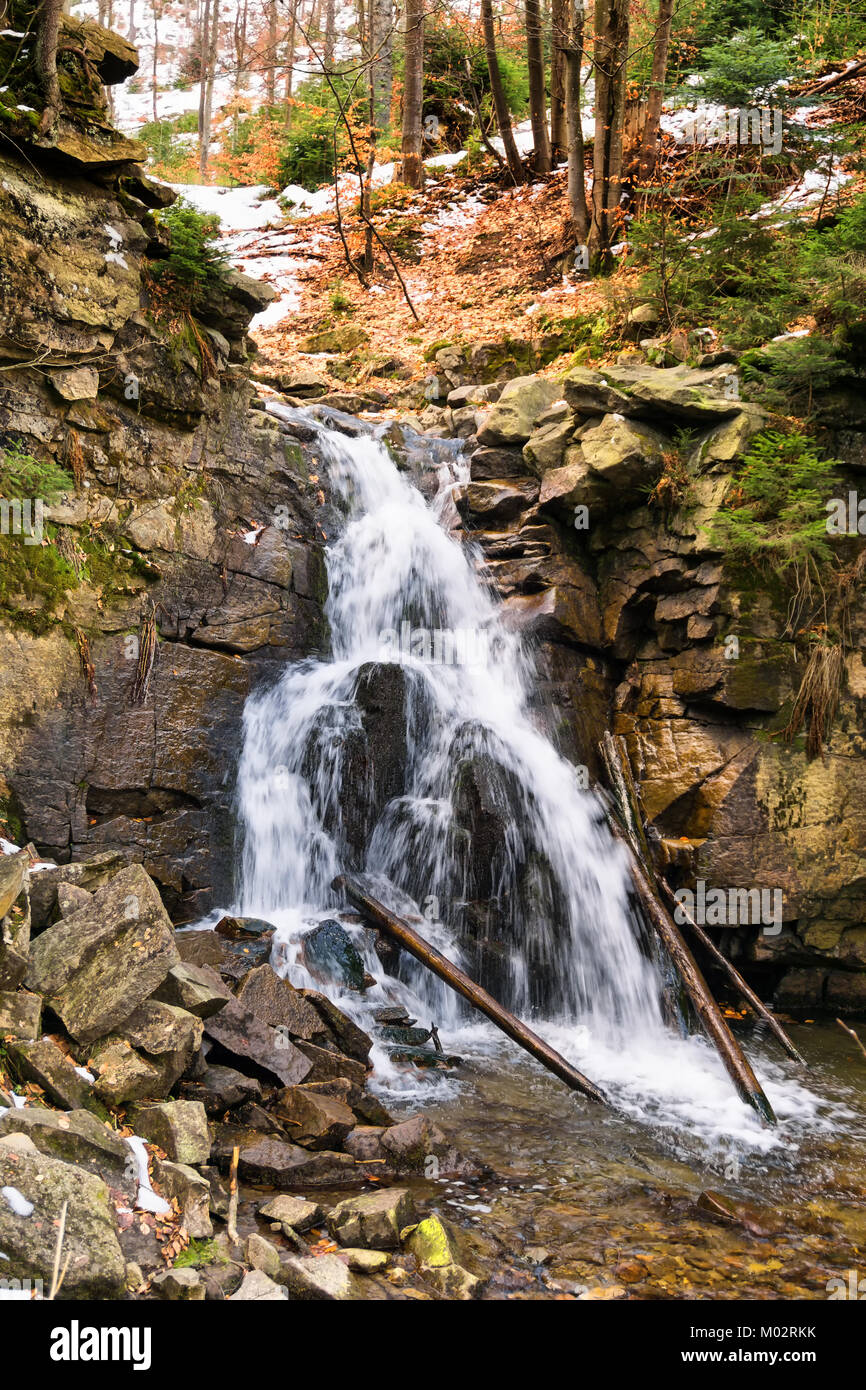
[[615, 464], [15, 919], [33, 1191], [243, 1035], [95, 967], [374, 1220], [513, 417], [76, 1137]]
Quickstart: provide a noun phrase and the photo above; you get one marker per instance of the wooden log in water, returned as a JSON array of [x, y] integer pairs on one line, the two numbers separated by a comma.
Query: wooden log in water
[[405, 934], [708, 1011], [633, 837], [619, 768]]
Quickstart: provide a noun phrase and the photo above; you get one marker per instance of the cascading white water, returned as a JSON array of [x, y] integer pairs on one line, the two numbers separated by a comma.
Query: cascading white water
[[558, 878]]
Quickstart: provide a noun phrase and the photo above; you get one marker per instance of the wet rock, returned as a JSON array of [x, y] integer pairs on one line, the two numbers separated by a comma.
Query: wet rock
[[316, 1121], [495, 504], [364, 1143], [431, 1243], [44, 1063], [351, 1039], [95, 967], [758, 1221], [275, 1163], [179, 1127], [95, 1266], [413, 1143], [20, 1014], [241, 928], [366, 1261], [243, 1035], [330, 951], [258, 1288], [198, 989], [365, 1106], [220, 1088], [279, 1004], [326, 1278], [294, 1212], [454, 1282], [74, 1136], [178, 1182], [373, 1220], [329, 1065], [491, 465]]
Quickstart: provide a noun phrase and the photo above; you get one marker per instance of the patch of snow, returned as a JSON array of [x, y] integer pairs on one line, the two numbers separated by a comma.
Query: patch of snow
[[16, 1201], [147, 1199]]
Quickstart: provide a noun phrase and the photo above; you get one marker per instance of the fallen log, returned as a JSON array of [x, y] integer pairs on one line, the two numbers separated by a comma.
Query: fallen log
[[619, 770], [705, 1006], [404, 933], [756, 1004], [836, 79]]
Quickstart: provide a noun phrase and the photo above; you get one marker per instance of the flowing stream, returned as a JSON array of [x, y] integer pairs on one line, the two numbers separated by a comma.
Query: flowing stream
[[406, 592]]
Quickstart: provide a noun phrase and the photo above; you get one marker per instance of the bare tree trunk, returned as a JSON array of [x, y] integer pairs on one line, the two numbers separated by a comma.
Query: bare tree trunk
[[290, 60], [210, 64], [48, 28], [241, 44], [203, 50], [559, 40], [271, 70], [412, 166], [500, 106], [578, 212], [130, 33], [652, 124], [610, 53], [537, 93], [381, 60], [330, 32], [153, 65]]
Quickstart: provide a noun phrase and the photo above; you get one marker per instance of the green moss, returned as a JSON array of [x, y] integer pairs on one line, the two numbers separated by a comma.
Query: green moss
[[200, 1252]]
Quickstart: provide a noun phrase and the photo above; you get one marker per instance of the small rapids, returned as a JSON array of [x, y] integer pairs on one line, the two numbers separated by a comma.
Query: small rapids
[[404, 591]]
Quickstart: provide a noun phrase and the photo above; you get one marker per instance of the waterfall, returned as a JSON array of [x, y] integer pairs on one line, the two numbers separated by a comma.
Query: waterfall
[[418, 633]]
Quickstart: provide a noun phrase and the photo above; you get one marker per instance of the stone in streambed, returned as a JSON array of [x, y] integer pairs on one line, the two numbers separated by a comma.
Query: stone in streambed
[[278, 1163], [20, 1014], [374, 1220], [219, 1088], [44, 1063], [184, 1285], [365, 1261], [295, 1212], [279, 1004], [198, 989], [242, 1034], [179, 1127], [316, 1121], [93, 1260], [179, 1182], [326, 1065], [351, 1039], [74, 1136], [261, 1254], [326, 1278], [95, 967], [330, 951], [257, 1287]]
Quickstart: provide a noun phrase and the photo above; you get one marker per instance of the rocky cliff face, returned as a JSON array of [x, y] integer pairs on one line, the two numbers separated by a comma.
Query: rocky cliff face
[[192, 514], [643, 628]]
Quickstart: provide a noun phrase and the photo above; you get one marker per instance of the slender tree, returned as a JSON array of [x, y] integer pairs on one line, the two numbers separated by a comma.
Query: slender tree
[[500, 106], [330, 32], [206, 99], [558, 43], [652, 125], [381, 60], [412, 165], [271, 69], [610, 53], [578, 212], [537, 91], [47, 30], [290, 59]]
